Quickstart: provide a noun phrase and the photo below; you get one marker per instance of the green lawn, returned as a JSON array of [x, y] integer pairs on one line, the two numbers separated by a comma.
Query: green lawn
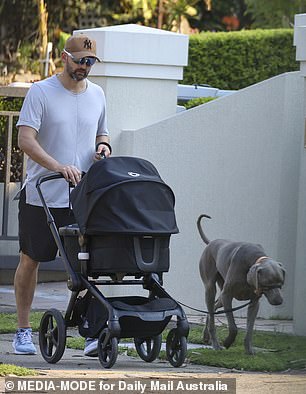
[[8, 370], [274, 352]]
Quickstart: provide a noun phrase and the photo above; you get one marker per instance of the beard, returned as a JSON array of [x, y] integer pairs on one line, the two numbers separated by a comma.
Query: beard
[[78, 74]]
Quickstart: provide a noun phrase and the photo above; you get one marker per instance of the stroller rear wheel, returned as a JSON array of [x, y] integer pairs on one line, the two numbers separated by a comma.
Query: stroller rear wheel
[[52, 336], [176, 348], [107, 349], [148, 348]]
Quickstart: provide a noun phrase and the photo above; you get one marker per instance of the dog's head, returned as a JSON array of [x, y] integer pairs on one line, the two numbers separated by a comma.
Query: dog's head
[[267, 277]]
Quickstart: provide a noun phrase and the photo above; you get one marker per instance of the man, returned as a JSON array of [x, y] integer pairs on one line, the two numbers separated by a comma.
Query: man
[[62, 128]]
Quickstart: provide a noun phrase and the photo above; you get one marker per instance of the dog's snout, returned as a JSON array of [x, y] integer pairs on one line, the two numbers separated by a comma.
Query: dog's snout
[[273, 296], [276, 301]]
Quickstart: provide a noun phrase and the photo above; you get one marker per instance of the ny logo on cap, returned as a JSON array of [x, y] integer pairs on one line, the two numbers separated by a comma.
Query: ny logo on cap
[[87, 44]]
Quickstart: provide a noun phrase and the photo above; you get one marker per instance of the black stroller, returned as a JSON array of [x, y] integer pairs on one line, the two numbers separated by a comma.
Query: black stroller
[[125, 216]]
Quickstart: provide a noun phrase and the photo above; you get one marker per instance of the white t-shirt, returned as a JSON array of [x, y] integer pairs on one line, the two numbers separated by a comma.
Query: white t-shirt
[[67, 124]]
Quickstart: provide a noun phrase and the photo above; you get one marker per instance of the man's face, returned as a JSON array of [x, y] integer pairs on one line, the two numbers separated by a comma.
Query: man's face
[[78, 72]]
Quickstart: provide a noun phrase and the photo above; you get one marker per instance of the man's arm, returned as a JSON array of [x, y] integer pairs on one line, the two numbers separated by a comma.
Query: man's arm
[[28, 143]]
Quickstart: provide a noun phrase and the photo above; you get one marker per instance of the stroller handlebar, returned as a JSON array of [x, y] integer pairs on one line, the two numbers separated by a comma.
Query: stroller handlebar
[[74, 282], [42, 179], [49, 177]]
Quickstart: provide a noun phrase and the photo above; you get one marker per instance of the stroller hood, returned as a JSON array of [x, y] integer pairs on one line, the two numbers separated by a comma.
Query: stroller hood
[[124, 195]]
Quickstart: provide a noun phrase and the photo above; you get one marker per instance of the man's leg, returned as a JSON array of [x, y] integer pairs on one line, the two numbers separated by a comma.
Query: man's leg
[[25, 283]]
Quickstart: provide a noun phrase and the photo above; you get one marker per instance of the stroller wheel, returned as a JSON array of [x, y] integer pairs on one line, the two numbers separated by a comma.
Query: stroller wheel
[[52, 336], [176, 348], [148, 348], [107, 349]]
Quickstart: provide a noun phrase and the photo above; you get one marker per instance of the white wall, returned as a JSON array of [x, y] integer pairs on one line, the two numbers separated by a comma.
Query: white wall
[[136, 102], [139, 72], [300, 269], [237, 159]]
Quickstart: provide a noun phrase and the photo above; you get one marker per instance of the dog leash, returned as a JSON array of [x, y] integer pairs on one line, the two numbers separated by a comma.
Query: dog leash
[[218, 312]]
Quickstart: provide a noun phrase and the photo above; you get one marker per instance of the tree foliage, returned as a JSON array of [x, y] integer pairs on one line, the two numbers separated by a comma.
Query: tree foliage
[[19, 21], [274, 13], [21, 16], [20, 24]]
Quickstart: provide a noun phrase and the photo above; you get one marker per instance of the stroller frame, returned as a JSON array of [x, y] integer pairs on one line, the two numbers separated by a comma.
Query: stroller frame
[[53, 326]]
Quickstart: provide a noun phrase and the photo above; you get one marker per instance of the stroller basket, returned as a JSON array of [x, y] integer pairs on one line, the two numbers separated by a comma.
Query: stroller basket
[[136, 315], [118, 253]]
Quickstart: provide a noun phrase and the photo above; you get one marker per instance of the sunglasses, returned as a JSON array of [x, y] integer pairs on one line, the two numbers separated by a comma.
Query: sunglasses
[[89, 61]]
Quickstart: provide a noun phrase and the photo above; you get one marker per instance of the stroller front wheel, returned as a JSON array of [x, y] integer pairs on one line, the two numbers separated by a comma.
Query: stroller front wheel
[[52, 336], [176, 348], [148, 348], [107, 349]]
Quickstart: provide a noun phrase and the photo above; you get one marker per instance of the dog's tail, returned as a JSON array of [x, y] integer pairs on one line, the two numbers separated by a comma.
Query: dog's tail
[[203, 236]]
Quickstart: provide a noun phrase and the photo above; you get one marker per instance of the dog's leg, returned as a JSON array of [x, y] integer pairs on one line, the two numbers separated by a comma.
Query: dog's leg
[[209, 276], [210, 294], [252, 313], [232, 328], [206, 336]]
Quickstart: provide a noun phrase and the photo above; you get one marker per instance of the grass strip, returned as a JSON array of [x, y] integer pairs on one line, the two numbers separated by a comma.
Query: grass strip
[[274, 351], [14, 370]]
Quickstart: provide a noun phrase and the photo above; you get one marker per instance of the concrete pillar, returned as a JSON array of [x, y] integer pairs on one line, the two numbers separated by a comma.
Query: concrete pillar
[[299, 315], [139, 73]]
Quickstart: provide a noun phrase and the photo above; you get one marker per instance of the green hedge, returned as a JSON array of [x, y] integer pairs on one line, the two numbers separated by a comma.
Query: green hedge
[[197, 101], [235, 60]]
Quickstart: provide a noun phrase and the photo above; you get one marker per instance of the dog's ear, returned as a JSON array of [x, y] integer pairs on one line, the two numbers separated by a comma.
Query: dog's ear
[[252, 276], [283, 269]]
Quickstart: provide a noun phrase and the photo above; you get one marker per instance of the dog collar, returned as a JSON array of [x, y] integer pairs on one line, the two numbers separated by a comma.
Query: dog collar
[[260, 259], [258, 291]]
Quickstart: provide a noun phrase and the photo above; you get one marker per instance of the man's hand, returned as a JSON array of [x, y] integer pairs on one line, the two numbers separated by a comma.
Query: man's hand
[[101, 153], [70, 173], [103, 150]]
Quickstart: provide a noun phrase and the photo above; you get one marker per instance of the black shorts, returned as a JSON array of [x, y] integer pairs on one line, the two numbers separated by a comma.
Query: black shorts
[[35, 237]]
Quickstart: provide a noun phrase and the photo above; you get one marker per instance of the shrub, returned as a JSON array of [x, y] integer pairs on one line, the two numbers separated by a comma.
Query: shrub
[[235, 60], [198, 101]]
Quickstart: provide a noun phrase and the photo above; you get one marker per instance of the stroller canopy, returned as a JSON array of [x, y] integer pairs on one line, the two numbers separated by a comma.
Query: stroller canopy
[[124, 195]]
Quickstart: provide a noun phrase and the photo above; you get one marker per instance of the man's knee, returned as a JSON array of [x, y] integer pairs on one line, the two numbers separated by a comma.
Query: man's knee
[[27, 262]]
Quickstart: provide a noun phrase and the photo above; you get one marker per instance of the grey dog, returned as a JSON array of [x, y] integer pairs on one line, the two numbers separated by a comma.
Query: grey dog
[[242, 271]]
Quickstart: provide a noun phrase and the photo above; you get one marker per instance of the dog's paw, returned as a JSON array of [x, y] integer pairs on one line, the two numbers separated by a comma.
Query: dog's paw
[[218, 347], [248, 347], [250, 352], [227, 343], [206, 340], [230, 339]]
